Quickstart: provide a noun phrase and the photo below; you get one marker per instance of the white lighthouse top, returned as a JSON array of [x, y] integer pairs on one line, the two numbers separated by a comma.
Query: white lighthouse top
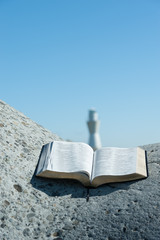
[[93, 115], [93, 125]]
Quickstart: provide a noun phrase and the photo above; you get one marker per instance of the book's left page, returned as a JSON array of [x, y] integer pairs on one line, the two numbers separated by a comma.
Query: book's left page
[[60, 159]]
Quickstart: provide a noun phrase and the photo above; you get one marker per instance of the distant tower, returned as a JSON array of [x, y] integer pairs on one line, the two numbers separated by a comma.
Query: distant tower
[[93, 125]]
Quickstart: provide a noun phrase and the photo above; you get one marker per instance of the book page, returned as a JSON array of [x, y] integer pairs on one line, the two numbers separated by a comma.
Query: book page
[[68, 157], [141, 162], [114, 162]]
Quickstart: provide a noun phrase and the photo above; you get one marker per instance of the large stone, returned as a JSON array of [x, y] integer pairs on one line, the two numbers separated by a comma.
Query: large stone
[[37, 207]]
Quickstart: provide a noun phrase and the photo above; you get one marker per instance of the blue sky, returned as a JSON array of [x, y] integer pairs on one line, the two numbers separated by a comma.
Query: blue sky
[[60, 58]]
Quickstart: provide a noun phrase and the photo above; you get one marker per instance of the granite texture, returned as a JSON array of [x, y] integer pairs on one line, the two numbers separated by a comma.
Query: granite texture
[[38, 208]]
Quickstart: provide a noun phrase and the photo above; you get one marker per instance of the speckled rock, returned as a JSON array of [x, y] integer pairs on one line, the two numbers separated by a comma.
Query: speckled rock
[[38, 208]]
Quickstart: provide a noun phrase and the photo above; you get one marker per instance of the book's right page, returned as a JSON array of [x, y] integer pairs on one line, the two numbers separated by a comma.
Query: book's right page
[[117, 165]]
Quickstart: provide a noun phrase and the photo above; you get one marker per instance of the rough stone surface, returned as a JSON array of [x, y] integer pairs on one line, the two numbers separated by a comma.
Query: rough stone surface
[[38, 208]]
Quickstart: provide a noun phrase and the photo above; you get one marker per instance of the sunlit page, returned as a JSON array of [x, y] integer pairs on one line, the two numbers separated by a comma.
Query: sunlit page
[[70, 157], [114, 161]]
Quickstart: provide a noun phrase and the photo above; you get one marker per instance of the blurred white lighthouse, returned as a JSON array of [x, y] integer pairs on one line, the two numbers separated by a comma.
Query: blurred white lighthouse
[[93, 125]]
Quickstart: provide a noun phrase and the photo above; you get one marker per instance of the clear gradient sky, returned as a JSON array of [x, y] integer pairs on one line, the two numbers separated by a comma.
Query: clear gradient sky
[[59, 58]]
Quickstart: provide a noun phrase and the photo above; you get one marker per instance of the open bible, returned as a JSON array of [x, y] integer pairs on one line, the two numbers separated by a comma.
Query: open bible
[[73, 160]]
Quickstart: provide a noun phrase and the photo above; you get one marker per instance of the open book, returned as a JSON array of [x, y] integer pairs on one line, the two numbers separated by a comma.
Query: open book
[[72, 160]]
